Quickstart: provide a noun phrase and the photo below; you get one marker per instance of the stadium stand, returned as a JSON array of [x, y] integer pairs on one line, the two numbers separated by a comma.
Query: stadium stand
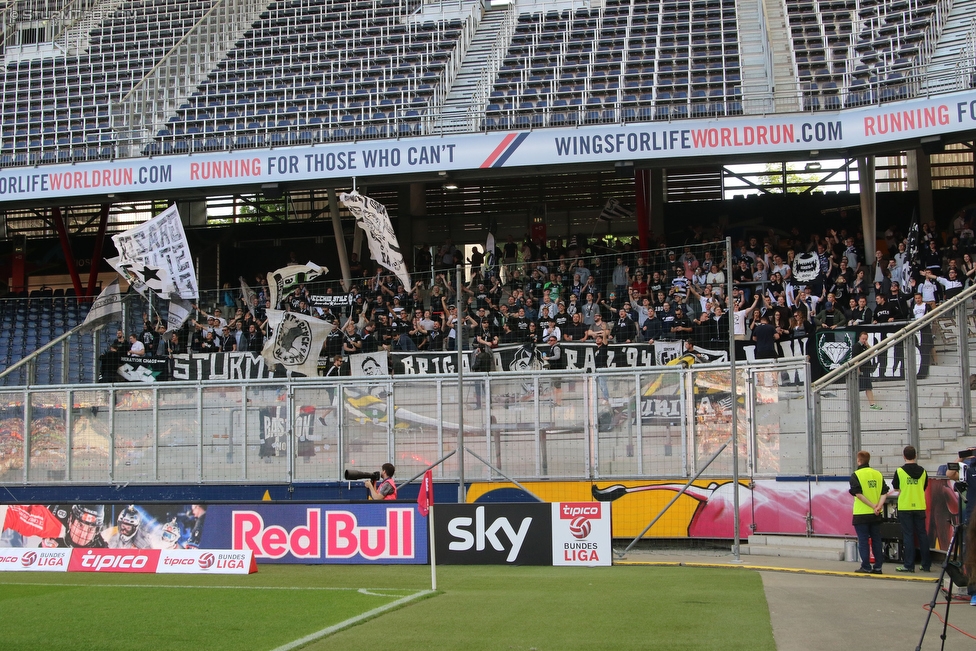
[[856, 52]]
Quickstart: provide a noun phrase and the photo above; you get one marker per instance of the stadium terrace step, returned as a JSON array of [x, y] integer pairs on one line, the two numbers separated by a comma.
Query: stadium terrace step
[[820, 548]]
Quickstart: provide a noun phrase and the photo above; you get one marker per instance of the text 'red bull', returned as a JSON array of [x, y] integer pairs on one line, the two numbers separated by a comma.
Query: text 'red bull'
[[344, 537]]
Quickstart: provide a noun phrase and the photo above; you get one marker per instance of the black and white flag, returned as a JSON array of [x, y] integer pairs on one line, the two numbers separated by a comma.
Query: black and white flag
[[371, 216], [248, 296], [913, 259], [156, 255], [614, 210], [294, 340], [106, 308], [283, 282], [178, 313], [806, 267]]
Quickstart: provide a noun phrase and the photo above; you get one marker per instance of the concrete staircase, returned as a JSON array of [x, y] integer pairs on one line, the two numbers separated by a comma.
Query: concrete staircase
[[74, 40], [820, 548], [766, 58], [466, 100], [952, 59], [757, 85]]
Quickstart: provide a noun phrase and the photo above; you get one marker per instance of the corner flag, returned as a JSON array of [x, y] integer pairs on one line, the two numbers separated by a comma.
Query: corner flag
[[426, 496]]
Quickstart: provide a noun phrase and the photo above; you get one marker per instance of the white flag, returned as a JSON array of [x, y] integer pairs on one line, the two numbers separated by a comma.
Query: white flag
[[294, 340], [158, 252], [178, 313], [282, 282], [248, 296], [372, 217], [107, 307]]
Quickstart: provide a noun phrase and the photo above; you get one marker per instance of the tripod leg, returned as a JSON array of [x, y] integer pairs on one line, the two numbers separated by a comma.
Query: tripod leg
[[932, 604], [945, 623]]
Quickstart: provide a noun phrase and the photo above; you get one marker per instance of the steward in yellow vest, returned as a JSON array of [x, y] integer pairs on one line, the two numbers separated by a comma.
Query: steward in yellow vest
[[911, 481], [868, 488]]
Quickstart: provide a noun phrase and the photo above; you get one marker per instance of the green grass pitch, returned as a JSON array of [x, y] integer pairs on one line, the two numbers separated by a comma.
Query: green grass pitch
[[287, 606]]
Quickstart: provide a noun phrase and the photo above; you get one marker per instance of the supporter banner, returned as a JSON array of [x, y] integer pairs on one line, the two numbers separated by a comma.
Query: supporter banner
[[369, 364], [222, 366], [143, 369], [836, 347], [34, 560], [579, 357], [581, 534], [96, 526], [493, 534], [869, 126], [330, 300], [374, 533]]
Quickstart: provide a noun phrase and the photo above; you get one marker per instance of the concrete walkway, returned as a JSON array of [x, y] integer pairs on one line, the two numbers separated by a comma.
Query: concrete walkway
[[822, 605]]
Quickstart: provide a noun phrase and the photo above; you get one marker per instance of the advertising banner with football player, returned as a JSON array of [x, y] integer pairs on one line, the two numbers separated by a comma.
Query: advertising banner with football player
[[108, 526]]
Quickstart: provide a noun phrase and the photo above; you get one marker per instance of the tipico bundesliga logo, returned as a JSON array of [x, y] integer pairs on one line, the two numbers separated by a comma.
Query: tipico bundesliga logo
[[579, 514]]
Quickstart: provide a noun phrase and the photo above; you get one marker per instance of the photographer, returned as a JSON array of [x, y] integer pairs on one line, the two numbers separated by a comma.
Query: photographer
[[385, 489], [964, 472]]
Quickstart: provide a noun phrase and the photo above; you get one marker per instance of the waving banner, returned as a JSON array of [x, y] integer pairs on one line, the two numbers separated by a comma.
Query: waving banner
[[294, 341], [107, 307], [282, 282], [157, 254], [371, 216]]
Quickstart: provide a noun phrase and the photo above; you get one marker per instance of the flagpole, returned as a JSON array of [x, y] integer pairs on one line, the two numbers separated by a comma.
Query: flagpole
[[430, 546], [462, 498]]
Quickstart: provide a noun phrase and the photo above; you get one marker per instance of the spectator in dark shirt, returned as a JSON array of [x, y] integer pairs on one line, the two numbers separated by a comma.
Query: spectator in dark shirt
[[765, 337], [624, 330]]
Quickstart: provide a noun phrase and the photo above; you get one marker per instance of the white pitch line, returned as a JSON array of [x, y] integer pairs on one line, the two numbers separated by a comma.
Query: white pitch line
[[352, 621], [191, 587]]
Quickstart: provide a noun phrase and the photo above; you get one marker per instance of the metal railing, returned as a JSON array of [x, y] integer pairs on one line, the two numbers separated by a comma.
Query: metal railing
[[919, 402], [650, 422]]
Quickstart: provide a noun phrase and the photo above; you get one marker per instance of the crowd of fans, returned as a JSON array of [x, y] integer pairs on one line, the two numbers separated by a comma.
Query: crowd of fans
[[525, 293]]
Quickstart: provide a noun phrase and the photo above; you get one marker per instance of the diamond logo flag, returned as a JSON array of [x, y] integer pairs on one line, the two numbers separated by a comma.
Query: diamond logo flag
[[371, 216], [294, 340], [107, 307], [157, 254], [284, 281]]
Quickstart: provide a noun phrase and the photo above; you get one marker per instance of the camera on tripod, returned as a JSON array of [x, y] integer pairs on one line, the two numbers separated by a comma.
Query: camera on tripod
[[356, 475]]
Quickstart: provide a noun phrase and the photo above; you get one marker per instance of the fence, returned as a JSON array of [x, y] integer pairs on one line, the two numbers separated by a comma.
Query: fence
[[651, 422]]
